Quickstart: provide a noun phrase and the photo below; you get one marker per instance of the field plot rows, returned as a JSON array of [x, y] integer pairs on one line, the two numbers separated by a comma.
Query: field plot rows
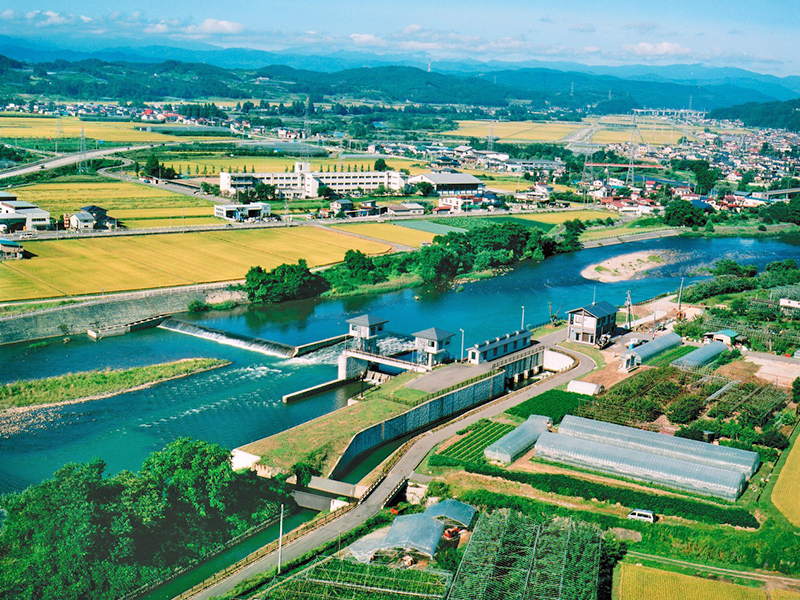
[[644, 583], [84, 266], [471, 448]]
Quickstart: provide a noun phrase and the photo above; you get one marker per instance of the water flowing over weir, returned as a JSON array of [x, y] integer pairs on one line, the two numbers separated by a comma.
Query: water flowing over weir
[[230, 339]]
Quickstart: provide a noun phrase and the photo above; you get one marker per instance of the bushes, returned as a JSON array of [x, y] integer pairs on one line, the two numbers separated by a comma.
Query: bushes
[[571, 486], [554, 404], [685, 409]]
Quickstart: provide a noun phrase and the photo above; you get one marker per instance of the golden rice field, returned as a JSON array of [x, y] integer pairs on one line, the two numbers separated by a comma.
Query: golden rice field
[[175, 221], [87, 266], [59, 198], [389, 233], [785, 494], [516, 131], [212, 164], [70, 127], [777, 594], [555, 218], [644, 583]]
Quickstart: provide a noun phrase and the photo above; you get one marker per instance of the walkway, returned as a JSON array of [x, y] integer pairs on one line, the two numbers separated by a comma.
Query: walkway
[[400, 472]]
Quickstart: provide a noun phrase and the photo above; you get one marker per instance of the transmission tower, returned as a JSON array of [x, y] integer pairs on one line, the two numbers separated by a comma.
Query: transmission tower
[[630, 177], [490, 137], [82, 153]]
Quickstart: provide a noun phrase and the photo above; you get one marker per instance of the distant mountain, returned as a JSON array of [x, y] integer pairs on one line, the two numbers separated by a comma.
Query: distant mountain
[[777, 115]]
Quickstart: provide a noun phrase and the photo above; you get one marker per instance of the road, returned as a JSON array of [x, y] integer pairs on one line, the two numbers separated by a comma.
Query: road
[[69, 159], [401, 471]]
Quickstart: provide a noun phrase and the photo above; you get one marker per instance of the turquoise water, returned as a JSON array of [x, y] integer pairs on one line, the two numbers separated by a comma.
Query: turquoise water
[[242, 402]]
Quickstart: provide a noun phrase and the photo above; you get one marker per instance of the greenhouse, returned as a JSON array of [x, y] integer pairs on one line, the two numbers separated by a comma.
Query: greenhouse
[[645, 352], [418, 532], [722, 457], [517, 442], [700, 357], [452, 510], [643, 466]]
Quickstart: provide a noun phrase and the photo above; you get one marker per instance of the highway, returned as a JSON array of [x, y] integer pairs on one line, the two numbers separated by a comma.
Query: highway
[[68, 159], [400, 472]]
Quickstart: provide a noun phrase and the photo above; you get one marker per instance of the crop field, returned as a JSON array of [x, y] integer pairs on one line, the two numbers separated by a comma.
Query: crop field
[[175, 221], [388, 232], [468, 223], [212, 164], [785, 493], [355, 581], [556, 218], [436, 228], [471, 447], [516, 131], [87, 266], [552, 403], [644, 583], [70, 127], [114, 196], [777, 594]]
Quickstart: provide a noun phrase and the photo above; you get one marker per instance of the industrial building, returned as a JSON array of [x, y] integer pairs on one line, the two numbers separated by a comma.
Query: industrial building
[[305, 183], [515, 443], [17, 215], [589, 323], [242, 212], [450, 184]]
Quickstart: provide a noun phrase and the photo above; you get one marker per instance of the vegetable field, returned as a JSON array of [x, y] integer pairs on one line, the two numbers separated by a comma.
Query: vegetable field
[[471, 447], [643, 583], [553, 403], [355, 581]]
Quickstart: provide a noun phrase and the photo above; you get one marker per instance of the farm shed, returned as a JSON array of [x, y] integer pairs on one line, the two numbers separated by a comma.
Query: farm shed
[[452, 510], [516, 442], [700, 357], [418, 532], [643, 466], [585, 388], [722, 457], [645, 352]]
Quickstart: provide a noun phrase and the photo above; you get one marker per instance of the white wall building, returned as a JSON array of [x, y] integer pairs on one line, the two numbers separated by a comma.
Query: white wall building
[[242, 212], [35, 217], [305, 183], [81, 221]]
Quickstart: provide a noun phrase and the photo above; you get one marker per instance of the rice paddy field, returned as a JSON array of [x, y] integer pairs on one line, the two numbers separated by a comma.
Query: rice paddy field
[[785, 493], [638, 582], [70, 127], [89, 266], [389, 233], [516, 131]]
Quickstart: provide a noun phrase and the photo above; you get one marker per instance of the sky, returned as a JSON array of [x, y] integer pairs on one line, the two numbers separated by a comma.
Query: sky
[[757, 35]]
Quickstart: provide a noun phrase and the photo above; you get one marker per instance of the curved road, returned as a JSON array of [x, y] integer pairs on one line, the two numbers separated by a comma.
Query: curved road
[[401, 471]]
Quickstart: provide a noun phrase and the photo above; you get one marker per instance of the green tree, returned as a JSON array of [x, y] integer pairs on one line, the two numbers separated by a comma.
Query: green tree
[[380, 165]]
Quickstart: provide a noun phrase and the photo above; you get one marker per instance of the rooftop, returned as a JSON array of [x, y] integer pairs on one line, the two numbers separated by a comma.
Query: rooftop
[[598, 309], [450, 178], [434, 333], [366, 321]]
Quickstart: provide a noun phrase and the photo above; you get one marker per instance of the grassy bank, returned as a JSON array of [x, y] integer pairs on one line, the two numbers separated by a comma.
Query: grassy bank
[[98, 384]]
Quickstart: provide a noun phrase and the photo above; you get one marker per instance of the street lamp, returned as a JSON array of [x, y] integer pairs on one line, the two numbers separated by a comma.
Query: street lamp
[[462, 343], [522, 326]]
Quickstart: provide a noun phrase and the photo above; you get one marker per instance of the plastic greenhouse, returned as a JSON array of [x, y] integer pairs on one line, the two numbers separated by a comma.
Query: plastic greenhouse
[[452, 510], [419, 532], [700, 357], [645, 352], [516, 442], [722, 457], [643, 466]]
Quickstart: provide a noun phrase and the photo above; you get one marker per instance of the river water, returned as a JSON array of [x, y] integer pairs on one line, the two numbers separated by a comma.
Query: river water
[[242, 402]]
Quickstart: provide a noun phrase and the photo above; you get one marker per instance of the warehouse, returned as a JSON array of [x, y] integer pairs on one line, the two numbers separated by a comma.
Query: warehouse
[[642, 466], [517, 442], [722, 457], [640, 355]]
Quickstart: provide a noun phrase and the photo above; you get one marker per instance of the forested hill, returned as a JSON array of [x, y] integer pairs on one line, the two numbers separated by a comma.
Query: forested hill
[[777, 115]]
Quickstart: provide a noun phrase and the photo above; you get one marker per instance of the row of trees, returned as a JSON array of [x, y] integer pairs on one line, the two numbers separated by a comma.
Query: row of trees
[[83, 535]]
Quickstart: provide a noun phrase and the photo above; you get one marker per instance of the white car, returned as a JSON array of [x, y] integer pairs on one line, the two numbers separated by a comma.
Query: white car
[[640, 514]]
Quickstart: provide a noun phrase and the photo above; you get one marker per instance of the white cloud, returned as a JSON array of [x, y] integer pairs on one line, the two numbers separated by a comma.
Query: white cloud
[[215, 27], [413, 28], [86, 19], [641, 26], [367, 39], [157, 28], [7, 14], [658, 50]]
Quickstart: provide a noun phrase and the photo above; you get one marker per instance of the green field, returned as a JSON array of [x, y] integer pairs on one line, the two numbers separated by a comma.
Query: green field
[[553, 403], [637, 582], [558, 217], [471, 447], [90, 266]]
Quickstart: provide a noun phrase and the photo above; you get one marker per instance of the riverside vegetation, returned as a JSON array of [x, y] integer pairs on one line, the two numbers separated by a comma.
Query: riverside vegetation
[[97, 384]]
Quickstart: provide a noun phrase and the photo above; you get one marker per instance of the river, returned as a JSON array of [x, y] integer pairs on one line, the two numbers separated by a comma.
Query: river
[[242, 402]]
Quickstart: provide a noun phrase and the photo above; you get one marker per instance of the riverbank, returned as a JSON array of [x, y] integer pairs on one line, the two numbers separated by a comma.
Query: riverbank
[[74, 388], [626, 266]]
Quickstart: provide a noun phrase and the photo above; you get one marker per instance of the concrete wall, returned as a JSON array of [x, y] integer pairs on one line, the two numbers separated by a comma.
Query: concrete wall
[[418, 417], [556, 361], [75, 320], [351, 368]]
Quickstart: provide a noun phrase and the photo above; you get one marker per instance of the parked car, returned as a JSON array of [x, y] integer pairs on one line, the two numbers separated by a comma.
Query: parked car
[[640, 514]]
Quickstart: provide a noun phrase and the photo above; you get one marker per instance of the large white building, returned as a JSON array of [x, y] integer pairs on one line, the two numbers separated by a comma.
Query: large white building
[[18, 214], [242, 212], [450, 184], [305, 183]]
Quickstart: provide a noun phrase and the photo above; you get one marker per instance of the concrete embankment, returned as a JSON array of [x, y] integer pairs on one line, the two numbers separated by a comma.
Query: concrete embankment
[[105, 312], [317, 389]]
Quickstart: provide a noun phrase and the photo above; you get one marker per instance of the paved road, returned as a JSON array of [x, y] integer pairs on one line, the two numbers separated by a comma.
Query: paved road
[[69, 159], [401, 471]]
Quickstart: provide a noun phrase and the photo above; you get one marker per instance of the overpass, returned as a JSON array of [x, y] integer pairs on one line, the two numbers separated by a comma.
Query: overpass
[[767, 195]]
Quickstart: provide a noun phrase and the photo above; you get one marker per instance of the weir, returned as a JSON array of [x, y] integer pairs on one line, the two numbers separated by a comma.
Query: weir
[[230, 339]]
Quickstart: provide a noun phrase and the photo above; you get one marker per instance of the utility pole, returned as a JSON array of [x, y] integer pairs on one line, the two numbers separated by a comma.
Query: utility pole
[[280, 542], [628, 305], [522, 326], [462, 343], [680, 299]]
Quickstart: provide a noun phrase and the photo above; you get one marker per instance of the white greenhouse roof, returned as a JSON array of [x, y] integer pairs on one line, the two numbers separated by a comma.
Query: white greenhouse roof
[[419, 532], [642, 466], [700, 357], [723, 457], [653, 348], [453, 510], [515, 442]]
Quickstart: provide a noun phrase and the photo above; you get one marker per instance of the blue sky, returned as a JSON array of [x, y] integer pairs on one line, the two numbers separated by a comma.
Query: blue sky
[[757, 34]]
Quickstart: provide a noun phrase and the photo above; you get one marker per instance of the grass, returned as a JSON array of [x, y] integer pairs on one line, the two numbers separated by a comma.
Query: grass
[[26, 307], [667, 357], [90, 266], [91, 384], [553, 403], [626, 229], [475, 222], [118, 197], [390, 233], [638, 582], [176, 221], [588, 350], [394, 390], [321, 442], [558, 217], [785, 493], [471, 447]]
